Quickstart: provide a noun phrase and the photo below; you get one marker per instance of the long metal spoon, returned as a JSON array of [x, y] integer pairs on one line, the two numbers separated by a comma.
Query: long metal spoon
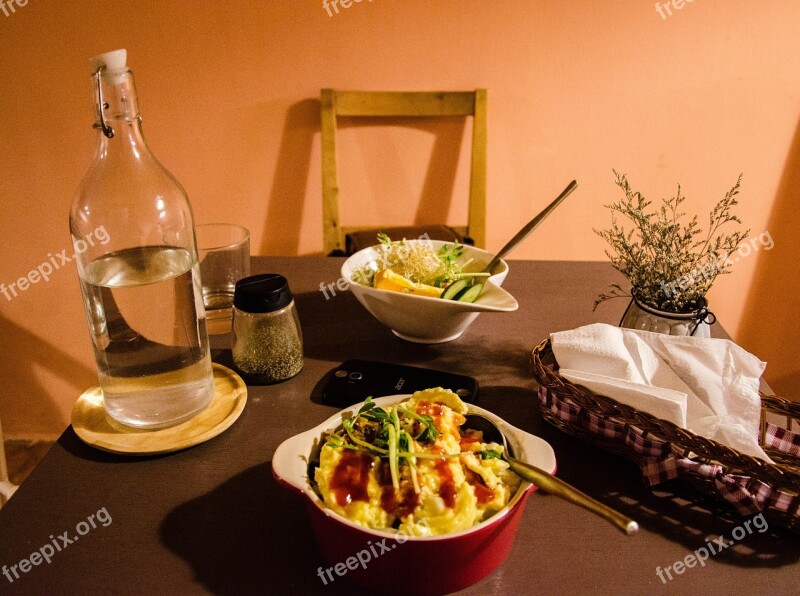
[[530, 227], [548, 482]]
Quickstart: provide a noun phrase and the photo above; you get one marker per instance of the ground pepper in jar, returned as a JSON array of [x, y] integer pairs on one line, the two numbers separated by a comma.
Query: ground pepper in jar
[[267, 340]]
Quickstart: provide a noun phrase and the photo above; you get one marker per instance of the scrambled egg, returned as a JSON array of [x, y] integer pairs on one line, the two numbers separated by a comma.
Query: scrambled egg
[[457, 480]]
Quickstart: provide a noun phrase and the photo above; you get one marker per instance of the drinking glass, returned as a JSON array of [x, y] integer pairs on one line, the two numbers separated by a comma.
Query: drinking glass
[[224, 252]]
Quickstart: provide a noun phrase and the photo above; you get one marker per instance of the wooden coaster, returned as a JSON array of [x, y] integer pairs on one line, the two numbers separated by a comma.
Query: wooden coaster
[[96, 428]]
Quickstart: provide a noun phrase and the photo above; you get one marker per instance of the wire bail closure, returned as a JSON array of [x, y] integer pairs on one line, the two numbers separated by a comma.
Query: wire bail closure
[[102, 105], [706, 316]]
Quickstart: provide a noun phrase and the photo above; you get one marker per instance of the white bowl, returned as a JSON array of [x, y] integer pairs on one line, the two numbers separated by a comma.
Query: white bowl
[[423, 319]]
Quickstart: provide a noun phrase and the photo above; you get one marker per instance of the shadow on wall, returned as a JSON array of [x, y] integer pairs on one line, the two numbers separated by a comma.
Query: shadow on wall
[[25, 397], [285, 212], [769, 322], [281, 234]]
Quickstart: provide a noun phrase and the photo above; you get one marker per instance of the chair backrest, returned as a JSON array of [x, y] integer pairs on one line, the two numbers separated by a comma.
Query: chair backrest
[[402, 104]]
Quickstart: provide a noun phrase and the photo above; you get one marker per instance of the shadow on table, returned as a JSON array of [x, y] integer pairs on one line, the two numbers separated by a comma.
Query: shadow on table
[[681, 514], [340, 328], [73, 444], [224, 357], [249, 535], [673, 509]]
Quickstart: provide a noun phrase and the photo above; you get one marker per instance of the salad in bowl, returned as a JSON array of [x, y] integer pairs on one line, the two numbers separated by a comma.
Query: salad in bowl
[[427, 291]]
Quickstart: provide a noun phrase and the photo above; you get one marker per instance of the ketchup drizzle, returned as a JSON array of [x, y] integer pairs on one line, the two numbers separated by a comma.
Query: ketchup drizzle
[[351, 477], [447, 486], [395, 507], [483, 494]]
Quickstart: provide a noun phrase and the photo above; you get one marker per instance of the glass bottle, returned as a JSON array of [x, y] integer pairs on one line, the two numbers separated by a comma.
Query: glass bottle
[[133, 233]]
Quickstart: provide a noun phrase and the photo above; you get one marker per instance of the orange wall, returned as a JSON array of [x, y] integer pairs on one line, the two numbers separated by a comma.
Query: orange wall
[[228, 92]]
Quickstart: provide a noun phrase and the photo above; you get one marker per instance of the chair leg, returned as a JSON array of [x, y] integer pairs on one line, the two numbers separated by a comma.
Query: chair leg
[[6, 488]]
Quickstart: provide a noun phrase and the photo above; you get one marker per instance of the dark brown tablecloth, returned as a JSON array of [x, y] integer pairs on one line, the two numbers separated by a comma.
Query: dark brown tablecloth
[[212, 519]]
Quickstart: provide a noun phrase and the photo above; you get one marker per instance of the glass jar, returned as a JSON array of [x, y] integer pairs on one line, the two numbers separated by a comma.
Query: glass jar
[[646, 318], [267, 339]]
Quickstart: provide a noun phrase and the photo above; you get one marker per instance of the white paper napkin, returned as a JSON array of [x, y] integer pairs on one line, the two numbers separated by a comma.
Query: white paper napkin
[[719, 379], [662, 403]]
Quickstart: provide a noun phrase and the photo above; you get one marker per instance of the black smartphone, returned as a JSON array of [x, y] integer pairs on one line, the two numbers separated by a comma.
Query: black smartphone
[[354, 381]]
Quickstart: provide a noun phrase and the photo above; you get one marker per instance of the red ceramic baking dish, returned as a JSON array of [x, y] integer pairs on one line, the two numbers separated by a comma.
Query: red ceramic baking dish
[[389, 562]]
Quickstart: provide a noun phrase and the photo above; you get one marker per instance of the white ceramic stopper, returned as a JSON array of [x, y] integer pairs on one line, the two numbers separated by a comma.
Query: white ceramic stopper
[[115, 62]]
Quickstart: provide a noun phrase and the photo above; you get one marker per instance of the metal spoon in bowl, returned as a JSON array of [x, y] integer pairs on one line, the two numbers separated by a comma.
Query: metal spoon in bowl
[[548, 482], [530, 227]]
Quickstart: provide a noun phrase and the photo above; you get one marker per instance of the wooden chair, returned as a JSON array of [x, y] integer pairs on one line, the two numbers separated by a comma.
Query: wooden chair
[[6, 488], [402, 104]]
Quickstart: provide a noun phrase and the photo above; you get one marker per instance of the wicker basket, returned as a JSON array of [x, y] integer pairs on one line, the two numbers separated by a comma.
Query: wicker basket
[[665, 451]]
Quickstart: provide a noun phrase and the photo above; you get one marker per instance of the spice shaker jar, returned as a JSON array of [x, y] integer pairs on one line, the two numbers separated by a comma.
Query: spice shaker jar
[[267, 340]]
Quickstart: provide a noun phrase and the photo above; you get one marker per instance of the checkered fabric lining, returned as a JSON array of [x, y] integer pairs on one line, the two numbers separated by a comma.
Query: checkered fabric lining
[[782, 440], [660, 461]]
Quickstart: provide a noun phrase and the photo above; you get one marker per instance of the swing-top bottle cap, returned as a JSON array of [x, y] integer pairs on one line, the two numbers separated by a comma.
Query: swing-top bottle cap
[[115, 62]]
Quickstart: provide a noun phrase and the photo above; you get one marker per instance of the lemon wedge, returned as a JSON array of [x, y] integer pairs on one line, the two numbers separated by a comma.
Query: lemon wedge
[[387, 279]]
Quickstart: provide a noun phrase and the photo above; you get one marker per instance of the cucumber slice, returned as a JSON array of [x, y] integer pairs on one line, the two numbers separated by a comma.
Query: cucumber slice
[[451, 291], [471, 293]]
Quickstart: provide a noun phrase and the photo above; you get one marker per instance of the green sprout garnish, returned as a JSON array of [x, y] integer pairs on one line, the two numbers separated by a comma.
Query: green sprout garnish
[[430, 433], [450, 253], [385, 434], [417, 261], [370, 411]]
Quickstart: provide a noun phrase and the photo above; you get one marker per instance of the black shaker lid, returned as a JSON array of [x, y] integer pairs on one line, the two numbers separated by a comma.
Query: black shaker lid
[[262, 293]]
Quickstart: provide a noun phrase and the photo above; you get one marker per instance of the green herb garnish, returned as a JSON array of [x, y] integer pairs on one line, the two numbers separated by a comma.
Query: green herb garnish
[[386, 434], [430, 432]]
